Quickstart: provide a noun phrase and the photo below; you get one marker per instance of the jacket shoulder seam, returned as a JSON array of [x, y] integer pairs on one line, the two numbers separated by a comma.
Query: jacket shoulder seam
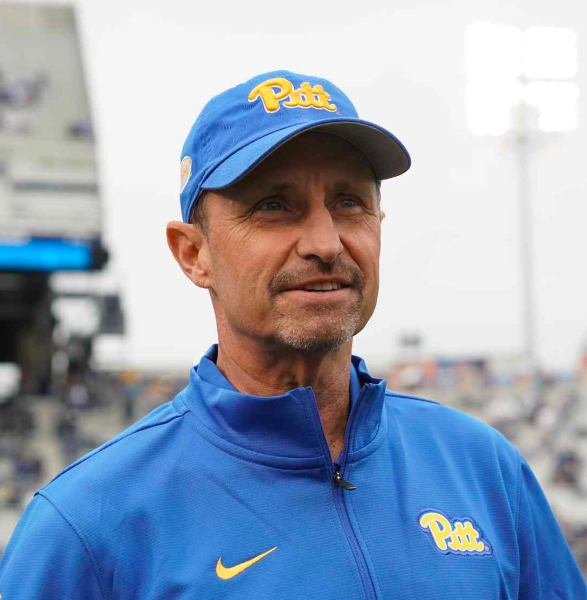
[[407, 397], [81, 537], [112, 443]]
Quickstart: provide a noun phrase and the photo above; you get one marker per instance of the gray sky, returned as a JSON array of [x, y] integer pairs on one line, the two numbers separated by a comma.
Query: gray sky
[[450, 258]]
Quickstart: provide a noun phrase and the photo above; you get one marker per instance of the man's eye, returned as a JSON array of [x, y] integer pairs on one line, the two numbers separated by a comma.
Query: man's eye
[[348, 202], [270, 206]]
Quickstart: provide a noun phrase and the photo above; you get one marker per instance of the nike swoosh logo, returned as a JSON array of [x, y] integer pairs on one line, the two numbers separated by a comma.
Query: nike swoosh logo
[[230, 572]]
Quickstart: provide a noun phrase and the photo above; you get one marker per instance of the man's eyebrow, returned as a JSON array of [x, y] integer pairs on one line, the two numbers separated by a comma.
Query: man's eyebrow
[[340, 184], [347, 184], [263, 189], [277, 188], [350, 183]]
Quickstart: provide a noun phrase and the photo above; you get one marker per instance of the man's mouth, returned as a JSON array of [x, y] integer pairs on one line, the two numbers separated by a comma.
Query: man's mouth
[[320, 285]]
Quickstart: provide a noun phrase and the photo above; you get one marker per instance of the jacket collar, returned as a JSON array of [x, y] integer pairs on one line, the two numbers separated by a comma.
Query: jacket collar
[[286, 425], [210, 373]]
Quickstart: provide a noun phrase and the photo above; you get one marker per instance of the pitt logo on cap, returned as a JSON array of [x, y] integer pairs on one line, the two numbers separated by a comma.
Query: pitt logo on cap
[[273, 91], [185, 172], [454, 536]]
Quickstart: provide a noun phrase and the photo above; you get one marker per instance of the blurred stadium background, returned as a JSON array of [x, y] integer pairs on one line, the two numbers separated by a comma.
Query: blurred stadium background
[[85, 345]]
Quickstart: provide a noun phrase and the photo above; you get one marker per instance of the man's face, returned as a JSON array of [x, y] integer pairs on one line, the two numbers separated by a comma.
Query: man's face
[[292, 250]]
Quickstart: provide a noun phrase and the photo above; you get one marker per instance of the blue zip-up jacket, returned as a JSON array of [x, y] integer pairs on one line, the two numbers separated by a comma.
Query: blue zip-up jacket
[[221, 495]]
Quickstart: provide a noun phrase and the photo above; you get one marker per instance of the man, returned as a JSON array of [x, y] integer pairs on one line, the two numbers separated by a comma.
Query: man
[[284, 470]]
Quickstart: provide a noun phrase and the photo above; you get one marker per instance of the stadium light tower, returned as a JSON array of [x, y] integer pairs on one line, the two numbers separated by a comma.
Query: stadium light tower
[[520, 87]]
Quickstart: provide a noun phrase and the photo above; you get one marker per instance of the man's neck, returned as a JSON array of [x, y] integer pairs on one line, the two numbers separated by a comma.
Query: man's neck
[[260, 371]]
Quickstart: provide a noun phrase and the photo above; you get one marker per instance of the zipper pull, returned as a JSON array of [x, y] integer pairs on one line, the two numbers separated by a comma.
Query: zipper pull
[[340, 482]]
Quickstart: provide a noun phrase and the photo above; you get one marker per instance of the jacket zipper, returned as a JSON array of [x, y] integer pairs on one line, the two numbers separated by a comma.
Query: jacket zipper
[[340, 482], [341, 486]]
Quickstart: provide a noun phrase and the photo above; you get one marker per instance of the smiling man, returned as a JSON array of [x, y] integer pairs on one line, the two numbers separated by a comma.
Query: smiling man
[[290, 255], [285, 470]]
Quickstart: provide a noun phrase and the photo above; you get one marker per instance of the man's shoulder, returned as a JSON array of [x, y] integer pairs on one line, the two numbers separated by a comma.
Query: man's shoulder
[[431, 420], [425, 409], [122, 460]]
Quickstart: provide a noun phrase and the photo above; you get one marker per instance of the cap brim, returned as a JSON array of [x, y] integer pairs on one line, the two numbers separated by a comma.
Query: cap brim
[[383, 150]]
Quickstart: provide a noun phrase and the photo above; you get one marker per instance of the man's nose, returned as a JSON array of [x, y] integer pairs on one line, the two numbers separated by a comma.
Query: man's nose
[[319, 236]]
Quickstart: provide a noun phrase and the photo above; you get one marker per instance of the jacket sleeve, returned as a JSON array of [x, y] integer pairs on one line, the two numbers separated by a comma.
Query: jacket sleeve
[[46, 558], [547, 567]]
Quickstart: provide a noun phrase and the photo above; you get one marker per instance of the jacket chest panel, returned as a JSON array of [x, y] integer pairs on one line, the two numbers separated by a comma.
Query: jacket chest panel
[[265, 541], [430, 540]]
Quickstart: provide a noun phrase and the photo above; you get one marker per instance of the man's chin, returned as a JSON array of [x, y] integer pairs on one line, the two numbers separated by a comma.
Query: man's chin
[[319, 339], [313, 346]]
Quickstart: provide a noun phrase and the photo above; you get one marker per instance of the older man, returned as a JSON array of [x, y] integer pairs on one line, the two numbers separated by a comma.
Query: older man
[[284, 469]]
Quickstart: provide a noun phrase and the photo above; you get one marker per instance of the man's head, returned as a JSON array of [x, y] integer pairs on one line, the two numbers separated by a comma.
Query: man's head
[[286, 237]]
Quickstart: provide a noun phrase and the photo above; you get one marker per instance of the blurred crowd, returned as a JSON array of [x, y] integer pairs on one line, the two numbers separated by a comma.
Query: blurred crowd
[[21, 96], [17, 96]]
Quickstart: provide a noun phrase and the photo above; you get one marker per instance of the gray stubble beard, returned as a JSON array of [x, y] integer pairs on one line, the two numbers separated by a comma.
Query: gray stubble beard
[[292, 333]]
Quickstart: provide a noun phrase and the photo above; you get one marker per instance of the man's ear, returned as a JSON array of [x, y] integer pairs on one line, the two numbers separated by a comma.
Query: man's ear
[[190, 249]]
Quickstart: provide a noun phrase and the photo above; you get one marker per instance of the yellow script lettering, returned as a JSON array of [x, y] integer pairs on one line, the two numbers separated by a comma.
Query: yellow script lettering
[[460, 537], [305, 96]]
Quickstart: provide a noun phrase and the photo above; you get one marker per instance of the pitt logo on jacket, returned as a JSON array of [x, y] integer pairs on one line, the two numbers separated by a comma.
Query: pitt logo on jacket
[[455, 536]]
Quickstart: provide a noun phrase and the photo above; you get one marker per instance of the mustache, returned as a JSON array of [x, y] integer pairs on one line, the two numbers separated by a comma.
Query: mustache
[[338, 268]]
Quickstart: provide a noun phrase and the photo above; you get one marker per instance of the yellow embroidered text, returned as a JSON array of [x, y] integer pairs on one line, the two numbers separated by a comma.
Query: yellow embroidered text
[[277, 89], [458, 537]]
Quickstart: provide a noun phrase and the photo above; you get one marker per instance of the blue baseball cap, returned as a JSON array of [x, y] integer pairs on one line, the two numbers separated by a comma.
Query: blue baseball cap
[[240, 127]]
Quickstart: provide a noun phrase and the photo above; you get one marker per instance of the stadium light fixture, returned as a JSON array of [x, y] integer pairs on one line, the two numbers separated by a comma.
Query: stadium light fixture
[[507, 66], [493, 51], [549, 53], [520, 85], [556, 102], [489, 105]]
